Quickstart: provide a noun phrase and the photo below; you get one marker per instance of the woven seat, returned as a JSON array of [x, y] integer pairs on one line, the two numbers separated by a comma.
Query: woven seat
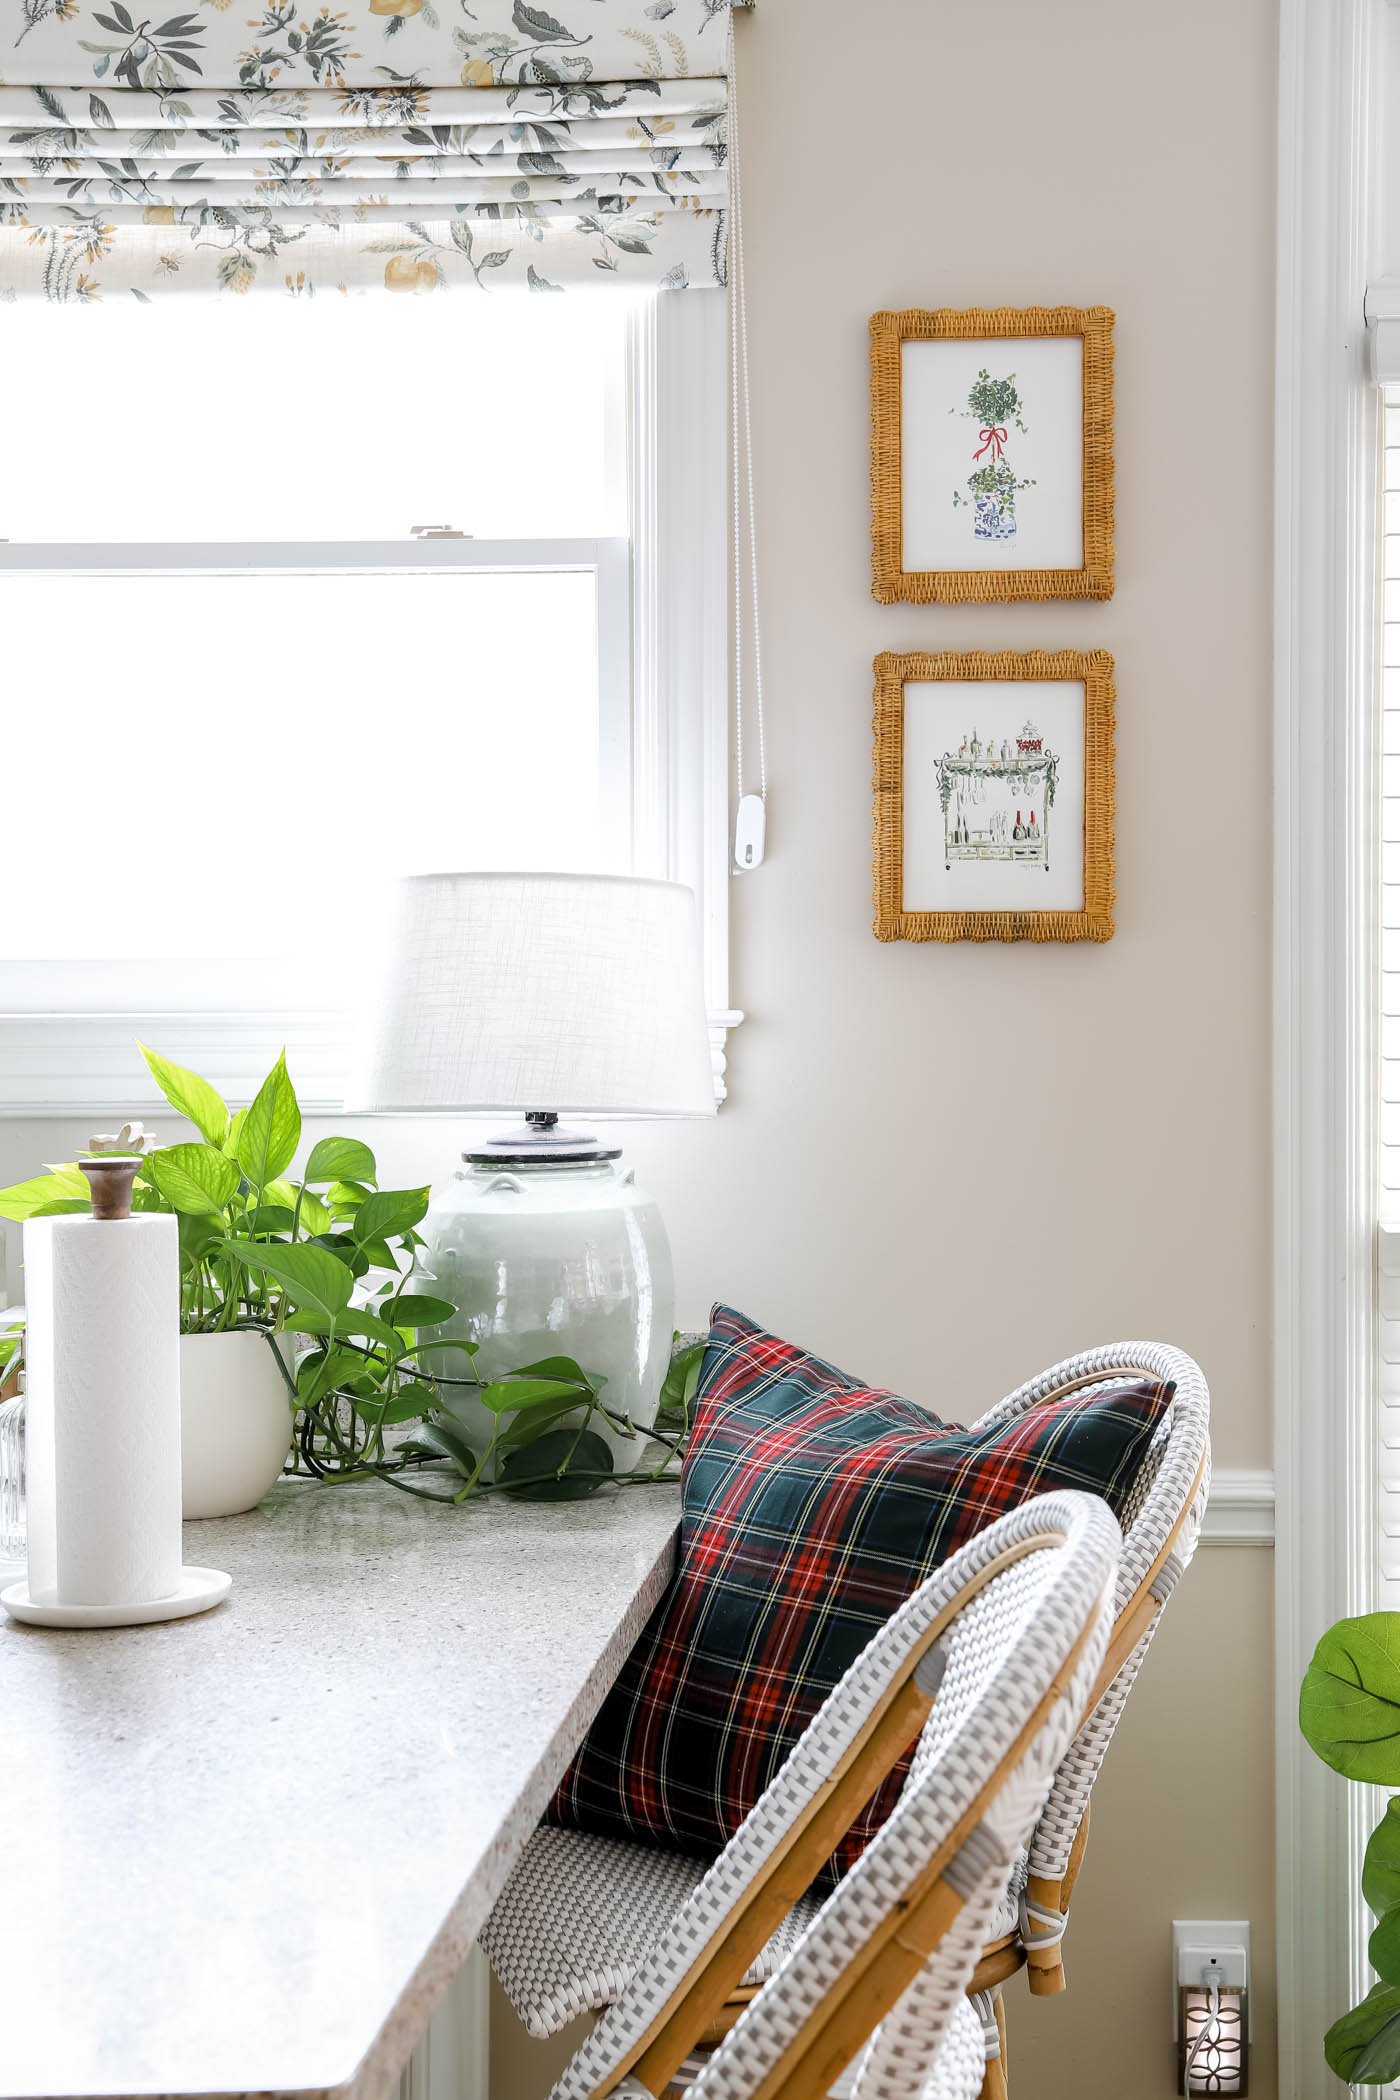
[[1009, 1636], [580, 1914], [586, 1910]]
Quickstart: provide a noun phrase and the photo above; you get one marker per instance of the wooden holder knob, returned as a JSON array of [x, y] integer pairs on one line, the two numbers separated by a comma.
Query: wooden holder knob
[[110, 1180]]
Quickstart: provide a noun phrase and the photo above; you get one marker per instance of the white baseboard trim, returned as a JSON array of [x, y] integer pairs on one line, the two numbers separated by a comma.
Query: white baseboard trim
[[1241, 1508]]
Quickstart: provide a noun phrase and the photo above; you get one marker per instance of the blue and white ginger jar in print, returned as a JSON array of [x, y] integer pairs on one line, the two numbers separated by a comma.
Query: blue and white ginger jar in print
[[994, 519]]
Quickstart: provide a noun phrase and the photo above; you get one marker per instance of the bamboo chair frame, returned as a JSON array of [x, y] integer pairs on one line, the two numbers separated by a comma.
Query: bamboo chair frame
[[891, 1729], [870, 1720], [1133, 1628], [1137, 1620], [899, 1962]]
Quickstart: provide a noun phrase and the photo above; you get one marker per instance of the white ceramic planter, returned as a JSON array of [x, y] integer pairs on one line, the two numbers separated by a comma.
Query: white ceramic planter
[[235, 1422]]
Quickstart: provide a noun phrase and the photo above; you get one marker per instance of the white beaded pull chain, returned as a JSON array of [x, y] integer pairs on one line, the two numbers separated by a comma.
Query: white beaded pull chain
[[750, 821]]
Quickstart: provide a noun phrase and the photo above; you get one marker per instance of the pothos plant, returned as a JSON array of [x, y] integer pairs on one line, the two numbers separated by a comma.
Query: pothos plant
[[323, 1266], [1349, 1711]]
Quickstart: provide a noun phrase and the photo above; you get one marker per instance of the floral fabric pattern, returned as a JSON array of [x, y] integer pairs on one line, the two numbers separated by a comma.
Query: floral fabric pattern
[[401, 145]]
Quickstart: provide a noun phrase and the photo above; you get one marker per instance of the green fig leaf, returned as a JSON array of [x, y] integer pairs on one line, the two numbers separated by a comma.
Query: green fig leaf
[[1349, 1706], [1380, 1875], [1363, 2047], [1384, 1948]]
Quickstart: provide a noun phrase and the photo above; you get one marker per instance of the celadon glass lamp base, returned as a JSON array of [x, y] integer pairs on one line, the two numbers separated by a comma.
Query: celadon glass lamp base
[[554, 1257]]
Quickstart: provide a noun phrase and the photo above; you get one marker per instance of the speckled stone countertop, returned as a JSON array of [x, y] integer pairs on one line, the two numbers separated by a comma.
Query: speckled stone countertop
[[245, 1853]]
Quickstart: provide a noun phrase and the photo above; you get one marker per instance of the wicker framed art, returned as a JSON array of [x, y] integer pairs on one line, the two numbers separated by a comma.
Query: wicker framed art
[[991, 454], [994, 796]]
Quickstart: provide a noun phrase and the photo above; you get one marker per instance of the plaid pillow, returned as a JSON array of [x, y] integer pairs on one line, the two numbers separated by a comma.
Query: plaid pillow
[[812, 1507]]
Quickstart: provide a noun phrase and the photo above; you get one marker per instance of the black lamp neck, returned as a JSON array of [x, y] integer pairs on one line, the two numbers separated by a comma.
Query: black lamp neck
[[539, 1141]]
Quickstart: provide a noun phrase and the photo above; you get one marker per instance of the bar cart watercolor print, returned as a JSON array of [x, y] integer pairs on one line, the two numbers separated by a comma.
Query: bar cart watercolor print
[[994, 797], [978, 785], [992, 454]]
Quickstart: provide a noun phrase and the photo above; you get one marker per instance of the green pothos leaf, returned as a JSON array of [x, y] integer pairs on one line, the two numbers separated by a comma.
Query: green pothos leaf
[[503, 1395], [561, 1466], [445, 1440], [1349, 1706], [270, 1129]]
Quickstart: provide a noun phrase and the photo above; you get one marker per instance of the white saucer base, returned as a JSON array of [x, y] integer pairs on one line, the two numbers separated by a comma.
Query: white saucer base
[[199, 1589]]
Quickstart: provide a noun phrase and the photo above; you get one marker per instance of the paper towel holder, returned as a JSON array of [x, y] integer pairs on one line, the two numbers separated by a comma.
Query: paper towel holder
[[117, 1159]]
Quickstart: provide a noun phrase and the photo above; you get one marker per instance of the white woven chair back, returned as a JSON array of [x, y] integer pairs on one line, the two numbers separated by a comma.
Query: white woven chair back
[[1022, 1615], [1161, 1528]]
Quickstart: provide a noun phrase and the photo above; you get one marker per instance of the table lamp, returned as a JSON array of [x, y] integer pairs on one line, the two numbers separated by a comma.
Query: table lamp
[[548, 995]]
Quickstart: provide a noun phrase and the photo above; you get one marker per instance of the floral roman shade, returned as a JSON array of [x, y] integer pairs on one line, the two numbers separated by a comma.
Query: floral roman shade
[[399, 145]]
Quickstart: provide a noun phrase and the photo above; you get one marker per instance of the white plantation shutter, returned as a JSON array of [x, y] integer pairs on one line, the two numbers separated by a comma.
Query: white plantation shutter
[[1388, 1400], [1388, 1163], [401, 145]]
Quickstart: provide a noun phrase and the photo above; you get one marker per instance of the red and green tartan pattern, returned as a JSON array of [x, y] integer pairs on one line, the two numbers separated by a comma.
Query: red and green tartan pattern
[[812, 1506]]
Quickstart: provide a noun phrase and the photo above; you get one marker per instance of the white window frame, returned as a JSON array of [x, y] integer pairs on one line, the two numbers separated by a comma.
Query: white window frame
[[67, 1029], [1325, 972]]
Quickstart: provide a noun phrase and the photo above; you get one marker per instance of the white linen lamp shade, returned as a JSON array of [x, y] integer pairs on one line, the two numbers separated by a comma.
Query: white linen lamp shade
[[542, 993], [579, 993]]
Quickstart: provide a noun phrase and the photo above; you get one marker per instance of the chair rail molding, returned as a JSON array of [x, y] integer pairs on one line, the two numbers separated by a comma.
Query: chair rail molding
[[1324, 952], [1240, 1511]]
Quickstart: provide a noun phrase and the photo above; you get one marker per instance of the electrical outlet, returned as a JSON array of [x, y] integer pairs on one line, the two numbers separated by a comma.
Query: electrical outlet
[[1211, 2010], [1208, 1947]]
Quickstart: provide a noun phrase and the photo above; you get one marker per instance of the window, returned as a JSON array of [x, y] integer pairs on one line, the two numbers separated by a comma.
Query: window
[[255, 694]]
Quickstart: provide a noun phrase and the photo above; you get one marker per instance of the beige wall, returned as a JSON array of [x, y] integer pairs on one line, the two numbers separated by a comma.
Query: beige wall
[[947, 1167]]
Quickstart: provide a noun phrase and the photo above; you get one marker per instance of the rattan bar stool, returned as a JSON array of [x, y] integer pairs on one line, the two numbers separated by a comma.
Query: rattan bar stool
[[989, 1668]]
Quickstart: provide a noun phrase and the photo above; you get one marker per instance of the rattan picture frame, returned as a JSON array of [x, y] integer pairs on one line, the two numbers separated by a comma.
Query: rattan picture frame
[[1092, 578], [1092, 669]]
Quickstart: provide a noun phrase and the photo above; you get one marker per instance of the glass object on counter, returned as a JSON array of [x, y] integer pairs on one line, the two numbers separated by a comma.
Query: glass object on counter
[[12, 1525], [548, 1258]]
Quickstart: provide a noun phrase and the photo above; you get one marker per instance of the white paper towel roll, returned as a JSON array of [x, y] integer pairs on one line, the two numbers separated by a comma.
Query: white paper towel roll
[[102, 1425]]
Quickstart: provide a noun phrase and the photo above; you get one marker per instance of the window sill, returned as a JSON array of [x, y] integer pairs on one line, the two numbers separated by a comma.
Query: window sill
[[88, 1065]]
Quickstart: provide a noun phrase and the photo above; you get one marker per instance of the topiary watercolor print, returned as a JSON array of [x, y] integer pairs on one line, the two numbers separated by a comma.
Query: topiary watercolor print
[[993, 488], [992, 454]]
